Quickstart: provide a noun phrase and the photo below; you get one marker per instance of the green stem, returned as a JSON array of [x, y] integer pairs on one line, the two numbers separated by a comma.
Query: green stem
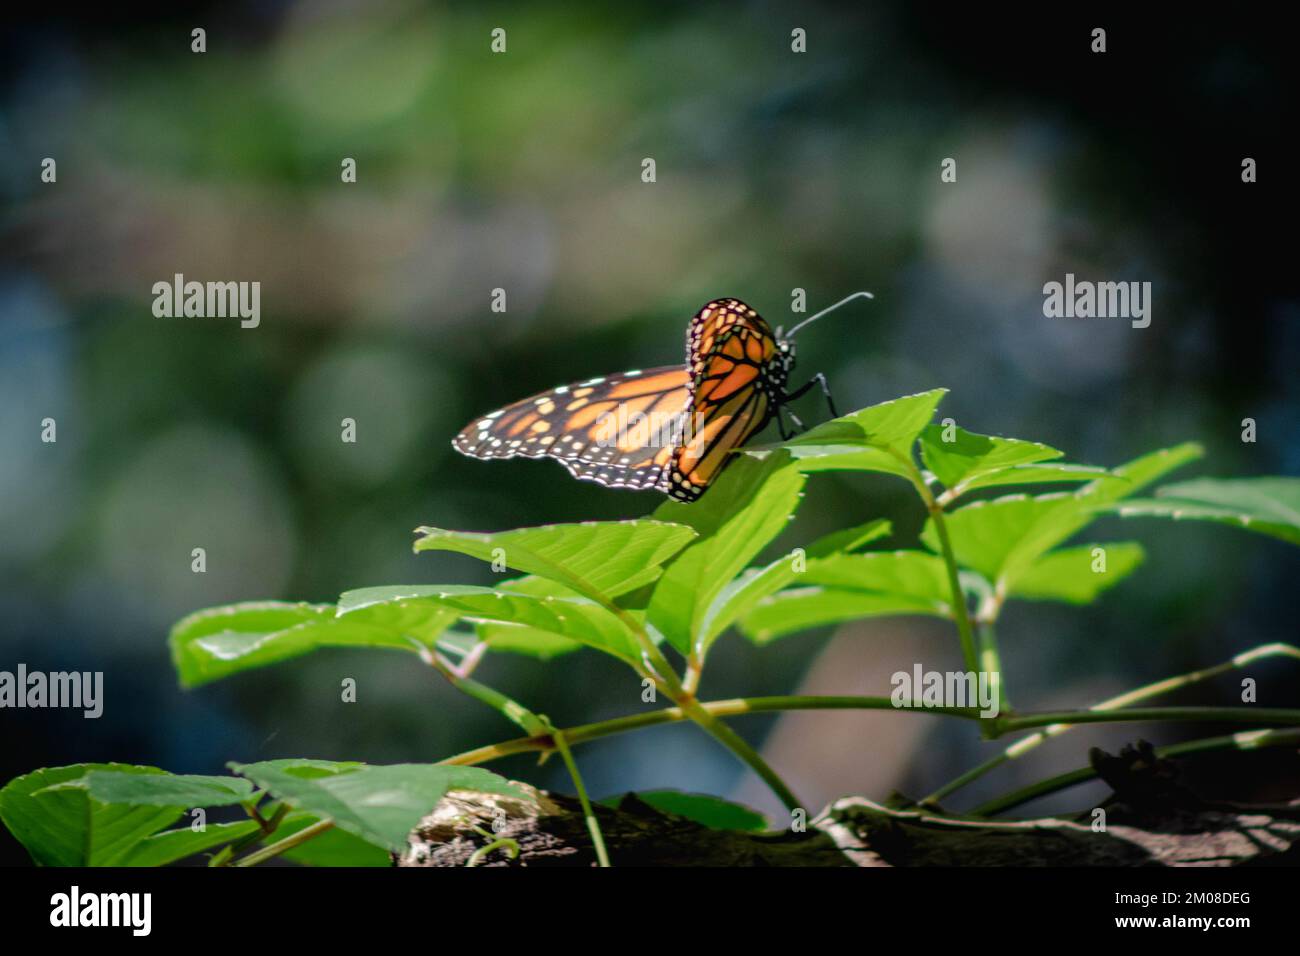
[[509, 708], [753, 705], [1230, 715], [737, 745], [959, 610], [991, 663], [1246, 740], [668, 715], [1145, 692], [288, 843], [494, 843], [265, 827], [593, 826], [958, 596]]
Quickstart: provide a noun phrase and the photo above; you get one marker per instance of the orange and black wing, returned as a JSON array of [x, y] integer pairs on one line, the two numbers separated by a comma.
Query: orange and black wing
[[620, 431], [730, 351]]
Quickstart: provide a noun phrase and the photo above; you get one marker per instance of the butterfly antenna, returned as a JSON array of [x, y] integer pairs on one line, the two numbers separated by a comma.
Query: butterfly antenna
[[813, 318]]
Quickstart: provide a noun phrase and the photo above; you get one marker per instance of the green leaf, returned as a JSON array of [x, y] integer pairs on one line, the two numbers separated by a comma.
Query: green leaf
[[1268, 506], [850, 539], [165, 789], [798, 609], [598, 559], [741, 595], [705, 809], [748, 505], [334, 847], [379, 804], [521, 639], [878, 438], [574, 618], [1002, 538], [309, 768], [218, 642], [179, 844], [909, 573], [969, 456], [848, 586], [1039, 474], [1068, 575], [59, 824]]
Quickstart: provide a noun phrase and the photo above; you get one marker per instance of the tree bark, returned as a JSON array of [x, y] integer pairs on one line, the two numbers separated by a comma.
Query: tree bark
[[1149, 821]]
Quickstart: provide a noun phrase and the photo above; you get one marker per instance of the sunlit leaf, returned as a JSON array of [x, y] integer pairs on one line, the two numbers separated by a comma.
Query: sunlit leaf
[[1002, 538], [878, 438], [575, 618], [1268, 506], [850, 539], [218, 642], [968, 455], [741, 595], [798, 609], [911, 573], [598, 559], [748, 506], [1069, 574], [1038, 474], [521, 639]]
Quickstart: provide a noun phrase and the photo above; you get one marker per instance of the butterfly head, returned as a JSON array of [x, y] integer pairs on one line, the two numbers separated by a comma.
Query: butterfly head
[[784, 358]]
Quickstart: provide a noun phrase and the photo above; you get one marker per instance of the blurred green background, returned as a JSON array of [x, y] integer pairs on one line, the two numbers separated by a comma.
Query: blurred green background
[[775, 171]]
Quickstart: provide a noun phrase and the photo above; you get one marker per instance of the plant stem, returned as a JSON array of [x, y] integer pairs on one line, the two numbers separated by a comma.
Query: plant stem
[[288, 843], [534, 725], [1246, 740], [959, 610], [1232, 715], [737, 745], [991, 663], [511, 709], [593, 826], [718, 708], [754, 705], [266, 828], [494, 843], [954, 583], [1145, 692]]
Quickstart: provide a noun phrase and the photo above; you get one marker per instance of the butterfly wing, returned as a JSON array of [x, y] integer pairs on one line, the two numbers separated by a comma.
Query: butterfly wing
[[620, 431], [731, 353]]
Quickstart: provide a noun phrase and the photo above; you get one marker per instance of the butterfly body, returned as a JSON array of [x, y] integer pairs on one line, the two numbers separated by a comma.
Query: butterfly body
[[672, 428]]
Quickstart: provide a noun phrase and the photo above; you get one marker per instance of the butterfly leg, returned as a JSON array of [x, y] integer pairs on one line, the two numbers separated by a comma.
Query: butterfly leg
[[818, 379], [798, 423]]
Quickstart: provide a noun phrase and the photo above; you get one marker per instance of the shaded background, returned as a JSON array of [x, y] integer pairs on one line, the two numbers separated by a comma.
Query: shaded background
[[522, 171]]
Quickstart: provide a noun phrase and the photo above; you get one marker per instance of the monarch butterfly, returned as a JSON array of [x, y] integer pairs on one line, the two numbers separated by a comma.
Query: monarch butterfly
[[671, 428]]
